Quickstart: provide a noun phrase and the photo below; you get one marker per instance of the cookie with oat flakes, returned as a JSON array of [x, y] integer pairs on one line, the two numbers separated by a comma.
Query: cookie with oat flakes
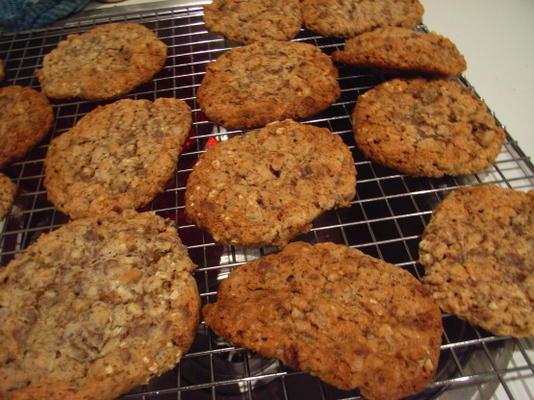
[[103, 63], [7, 195], [96, 308], [348, 318], [247, 21], [267, 81], [26, 116], [265, 187], [348, 18], [426, 128], [478, 253], [117, 157], [395, 48]]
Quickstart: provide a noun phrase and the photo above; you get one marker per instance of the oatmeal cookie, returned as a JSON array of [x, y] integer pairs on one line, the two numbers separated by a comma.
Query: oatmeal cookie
[[95, 308], [403, 49], [348, 18], [426, 128], [25, 118], [117, 157], [247, 21], [346, 317], [478, 253], [104, 63], [7, 195], [267, 81], [266, 186]]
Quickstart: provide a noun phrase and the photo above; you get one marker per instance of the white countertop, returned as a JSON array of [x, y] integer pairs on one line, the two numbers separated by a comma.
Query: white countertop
[[497, 40]]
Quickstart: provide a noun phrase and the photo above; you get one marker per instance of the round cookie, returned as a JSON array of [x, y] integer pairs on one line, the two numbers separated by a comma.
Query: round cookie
[[25, 118], [265, 187], [348, 318], [7, 195], [247, 21], [426, 128], [102, 63], [348, 18], [478, 253], [267, 81], [403, 49], [95, 308], [117, 157]]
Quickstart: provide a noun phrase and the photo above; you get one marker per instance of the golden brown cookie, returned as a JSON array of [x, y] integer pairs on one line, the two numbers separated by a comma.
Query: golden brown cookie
[[7, 195], [403, 49], [2, 71], [117, 157], [267, 81], [247, 21], [426, 128], [266, 186], [103, 63], [346, 317], [95, 308], [348, 18], [25, 118], [478, 253]]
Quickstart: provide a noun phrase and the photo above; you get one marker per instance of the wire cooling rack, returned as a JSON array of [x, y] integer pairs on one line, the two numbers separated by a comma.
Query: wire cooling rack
[[385, 220]]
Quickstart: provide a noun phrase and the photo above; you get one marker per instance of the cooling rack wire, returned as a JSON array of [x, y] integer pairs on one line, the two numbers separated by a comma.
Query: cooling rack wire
[[385, 220]]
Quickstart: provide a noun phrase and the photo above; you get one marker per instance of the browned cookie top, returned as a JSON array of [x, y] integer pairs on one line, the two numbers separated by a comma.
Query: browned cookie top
[[25, 118], [7, 194], [103, 63], [117, 157], [426, 128], [348, 318], [266, 186], [95, 308], [403, 49], [248, 21], [348, 18], [267, 81], [478, 253]]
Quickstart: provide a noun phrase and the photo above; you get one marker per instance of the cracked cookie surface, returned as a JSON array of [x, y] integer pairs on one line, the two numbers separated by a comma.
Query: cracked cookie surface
[[346, 317], [25, 118], [426, 128], [95, 308], [478, 253], [103, 63], [266, 186], [348, 18], [267, 81], [247, 21], [403, 49], [7, 195], [117, 157]]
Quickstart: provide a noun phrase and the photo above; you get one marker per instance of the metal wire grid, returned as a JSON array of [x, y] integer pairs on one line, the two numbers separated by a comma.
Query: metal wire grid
[[386, 221]]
